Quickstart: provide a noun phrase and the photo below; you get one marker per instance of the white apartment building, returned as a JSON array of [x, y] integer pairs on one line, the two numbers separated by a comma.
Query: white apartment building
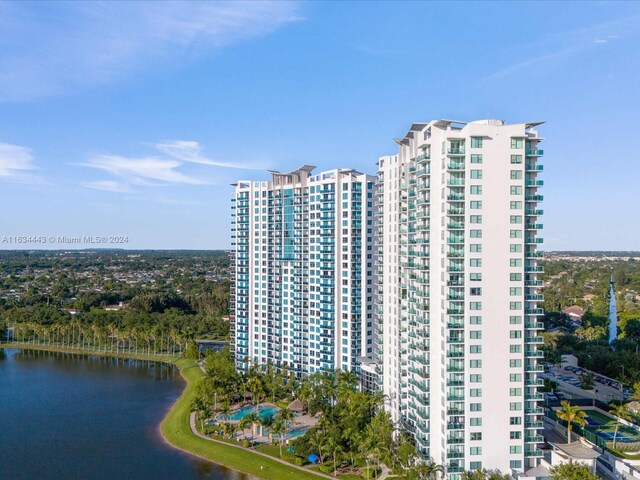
[[304, 253], [457, 292]]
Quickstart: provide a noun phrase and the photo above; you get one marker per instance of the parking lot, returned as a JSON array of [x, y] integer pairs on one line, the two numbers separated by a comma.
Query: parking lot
[[605, 389]]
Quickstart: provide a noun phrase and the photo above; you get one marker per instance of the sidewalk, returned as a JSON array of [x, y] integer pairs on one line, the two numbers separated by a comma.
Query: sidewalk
[[192, 424]]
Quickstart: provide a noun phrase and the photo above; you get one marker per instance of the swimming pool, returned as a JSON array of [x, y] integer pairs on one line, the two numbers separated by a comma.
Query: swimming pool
[[264, 411], [293, 433]]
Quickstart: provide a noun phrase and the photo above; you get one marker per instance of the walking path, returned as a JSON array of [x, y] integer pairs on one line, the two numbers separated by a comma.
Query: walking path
[[192, 423]]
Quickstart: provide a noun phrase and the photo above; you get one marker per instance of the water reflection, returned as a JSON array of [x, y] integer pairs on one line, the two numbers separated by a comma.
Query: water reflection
[[82, 416]]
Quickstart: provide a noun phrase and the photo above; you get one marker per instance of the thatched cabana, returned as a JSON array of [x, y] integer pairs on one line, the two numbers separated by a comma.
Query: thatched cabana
[[296, 406]]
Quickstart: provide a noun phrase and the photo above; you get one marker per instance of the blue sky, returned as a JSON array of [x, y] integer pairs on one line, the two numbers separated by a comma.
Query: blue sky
[[134, 118]]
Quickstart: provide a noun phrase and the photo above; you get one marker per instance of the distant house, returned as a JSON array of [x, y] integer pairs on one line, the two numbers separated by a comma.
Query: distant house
[[114, 308], [72, 311], [575, 313], [226, 318]]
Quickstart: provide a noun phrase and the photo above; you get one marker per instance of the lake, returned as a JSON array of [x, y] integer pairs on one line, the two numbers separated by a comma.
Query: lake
[[82, 417]]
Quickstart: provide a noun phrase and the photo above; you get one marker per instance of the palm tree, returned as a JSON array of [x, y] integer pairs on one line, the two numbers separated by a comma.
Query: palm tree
[[430, 470], [319, 442], [571, 414], [246, 422], [335, 448], [622, 413], [279, 427], [202, 409], [635, 392], [252, 419]]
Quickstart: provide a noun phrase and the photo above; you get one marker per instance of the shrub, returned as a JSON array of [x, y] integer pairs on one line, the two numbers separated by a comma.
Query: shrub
[[326, 468], [246, 443]]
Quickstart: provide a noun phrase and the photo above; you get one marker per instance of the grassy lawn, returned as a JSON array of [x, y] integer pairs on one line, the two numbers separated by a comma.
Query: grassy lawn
[[176, 430]]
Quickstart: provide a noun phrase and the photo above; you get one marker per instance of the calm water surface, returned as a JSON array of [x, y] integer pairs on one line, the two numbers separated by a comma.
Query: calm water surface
[[80, 417]]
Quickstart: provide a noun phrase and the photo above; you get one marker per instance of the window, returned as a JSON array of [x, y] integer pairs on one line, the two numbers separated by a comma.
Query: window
[[475, 320], [475, 277], [515, 205], [475, 407], [476, 142], [475, 335], [475, 291], [475, 233], [475, 305], [515, 449], [515, 262], [515, 306], [513, 291], [476, 436], [476, 189], [515, 333], [515, 319], [515, 174], [475, 392], [475, 349], [515, 233], [475, 422], [515, 392], [475, 363], [477, 174], [475, 218], [516, 143], [515, 420], [476, 158], [515, 377], [515, 435], [515, 277], [515, 190], [475, 450], [475, 378], [515, 219], [515, 362], [477, 204], [475, 465], [515, 464], [475, 262], [515, 248], [475, 248], [516, 159]]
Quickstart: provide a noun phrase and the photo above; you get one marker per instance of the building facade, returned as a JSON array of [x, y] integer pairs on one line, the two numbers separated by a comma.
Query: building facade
[[457, 297], [303, 257]]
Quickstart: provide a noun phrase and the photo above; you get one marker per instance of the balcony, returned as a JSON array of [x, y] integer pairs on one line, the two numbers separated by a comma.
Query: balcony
[[534, 153], [533, 168], [455, 151]]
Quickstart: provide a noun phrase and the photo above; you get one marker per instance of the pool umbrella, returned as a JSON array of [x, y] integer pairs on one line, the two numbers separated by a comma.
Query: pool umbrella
[[313, 458]]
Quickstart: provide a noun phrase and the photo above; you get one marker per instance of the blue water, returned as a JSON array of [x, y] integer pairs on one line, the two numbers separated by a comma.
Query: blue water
[[81, 417], [613, 314], [296, 432], [263, 412]]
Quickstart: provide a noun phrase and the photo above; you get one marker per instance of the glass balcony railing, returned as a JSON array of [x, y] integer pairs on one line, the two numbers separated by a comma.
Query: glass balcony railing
[[533, 153]]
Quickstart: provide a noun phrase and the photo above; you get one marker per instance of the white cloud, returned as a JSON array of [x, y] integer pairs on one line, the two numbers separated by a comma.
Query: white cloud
[[160, 170], [61, 47], [562, 45], [16, 162], [140, 170], [108, 186], [190, 151]]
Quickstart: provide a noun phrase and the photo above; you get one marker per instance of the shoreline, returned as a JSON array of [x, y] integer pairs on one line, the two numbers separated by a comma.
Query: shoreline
[[175, 427], [175, 430], [84, 351]]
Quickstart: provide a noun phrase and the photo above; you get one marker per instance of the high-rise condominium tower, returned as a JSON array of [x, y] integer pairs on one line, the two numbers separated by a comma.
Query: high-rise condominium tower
[[457, 291], [303, 261]]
